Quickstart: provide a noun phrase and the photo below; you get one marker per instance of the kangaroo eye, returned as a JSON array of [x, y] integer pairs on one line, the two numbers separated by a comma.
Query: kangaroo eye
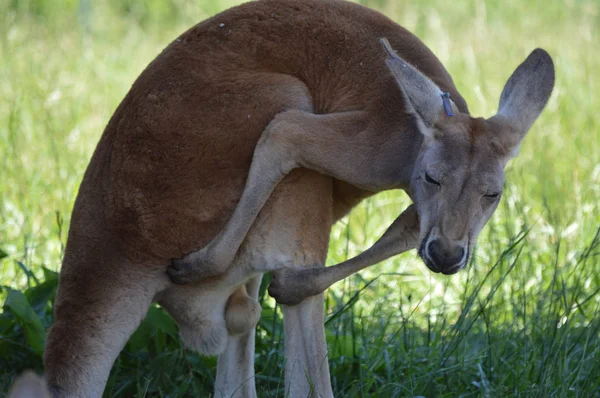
[[494, 195], [430, 180]]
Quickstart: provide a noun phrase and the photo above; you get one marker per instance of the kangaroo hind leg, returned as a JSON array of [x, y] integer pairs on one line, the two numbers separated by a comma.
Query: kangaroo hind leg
[[332, 144], [274, 94]]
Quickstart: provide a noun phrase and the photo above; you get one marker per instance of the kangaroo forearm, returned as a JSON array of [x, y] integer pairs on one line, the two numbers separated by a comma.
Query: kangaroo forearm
[[291, 286]]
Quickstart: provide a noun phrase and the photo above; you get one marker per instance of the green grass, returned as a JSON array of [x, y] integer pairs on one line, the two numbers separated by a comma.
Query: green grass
[[524, 320]]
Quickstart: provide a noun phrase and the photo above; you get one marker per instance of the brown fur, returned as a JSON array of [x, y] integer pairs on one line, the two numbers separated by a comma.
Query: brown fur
[[173, 162], [176, 120]]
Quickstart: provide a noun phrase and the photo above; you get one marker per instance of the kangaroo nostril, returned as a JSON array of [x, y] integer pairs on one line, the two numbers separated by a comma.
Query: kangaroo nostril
[[434, 254], [457, 259], [433, 249]]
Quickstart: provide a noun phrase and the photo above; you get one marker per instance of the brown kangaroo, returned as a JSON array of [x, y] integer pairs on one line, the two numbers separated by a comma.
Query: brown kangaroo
[[239, 146]]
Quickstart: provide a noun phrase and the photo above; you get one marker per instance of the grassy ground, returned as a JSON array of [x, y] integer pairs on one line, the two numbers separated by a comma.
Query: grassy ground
[[524, 320]]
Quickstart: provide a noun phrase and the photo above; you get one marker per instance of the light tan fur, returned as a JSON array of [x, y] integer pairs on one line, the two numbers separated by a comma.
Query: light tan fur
[[29, 385], [236, 150]]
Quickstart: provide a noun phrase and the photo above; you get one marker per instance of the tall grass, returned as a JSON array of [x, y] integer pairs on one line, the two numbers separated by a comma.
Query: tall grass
[[523, 320]]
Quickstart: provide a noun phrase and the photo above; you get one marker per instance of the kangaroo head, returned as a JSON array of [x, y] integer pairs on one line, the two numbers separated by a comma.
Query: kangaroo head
[[457, 179]]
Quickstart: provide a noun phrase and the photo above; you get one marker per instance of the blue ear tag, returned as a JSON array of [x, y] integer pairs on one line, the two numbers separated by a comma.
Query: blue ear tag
[[447, 104]]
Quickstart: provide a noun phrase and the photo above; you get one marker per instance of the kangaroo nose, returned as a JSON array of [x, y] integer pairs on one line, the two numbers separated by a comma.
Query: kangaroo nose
[[446, 257]]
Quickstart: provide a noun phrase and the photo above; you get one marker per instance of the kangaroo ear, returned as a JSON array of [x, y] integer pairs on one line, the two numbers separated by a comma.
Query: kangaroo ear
[[523, 98], [422, 94]]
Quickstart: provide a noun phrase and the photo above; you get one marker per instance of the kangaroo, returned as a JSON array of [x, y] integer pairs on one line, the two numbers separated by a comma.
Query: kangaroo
[[233, 154]]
